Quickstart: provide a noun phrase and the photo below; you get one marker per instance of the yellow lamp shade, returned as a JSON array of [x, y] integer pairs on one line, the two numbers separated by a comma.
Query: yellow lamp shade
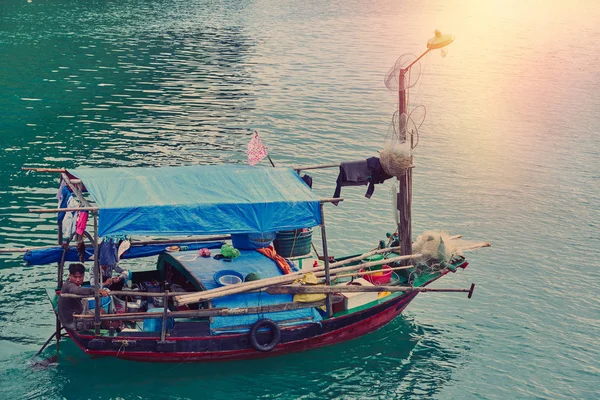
[[439, 41]]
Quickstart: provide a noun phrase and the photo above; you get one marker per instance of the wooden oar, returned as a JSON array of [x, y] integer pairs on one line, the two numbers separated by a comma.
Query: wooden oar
[[300, 289]]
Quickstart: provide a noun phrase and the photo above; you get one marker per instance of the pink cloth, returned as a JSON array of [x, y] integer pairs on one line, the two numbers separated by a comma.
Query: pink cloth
[[81, 222], [256, 150]]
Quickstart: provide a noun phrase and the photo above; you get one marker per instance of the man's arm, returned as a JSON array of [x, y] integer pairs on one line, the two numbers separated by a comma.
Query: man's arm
[[74, 289], [123, 273]]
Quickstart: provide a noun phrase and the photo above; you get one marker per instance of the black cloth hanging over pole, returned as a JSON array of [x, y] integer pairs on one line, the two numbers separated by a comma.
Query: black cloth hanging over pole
[[359, 173]]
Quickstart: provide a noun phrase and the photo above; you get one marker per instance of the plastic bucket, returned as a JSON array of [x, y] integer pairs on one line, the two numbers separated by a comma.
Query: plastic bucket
[[293, 243], [105, 303], [251, 241], [378, 278]]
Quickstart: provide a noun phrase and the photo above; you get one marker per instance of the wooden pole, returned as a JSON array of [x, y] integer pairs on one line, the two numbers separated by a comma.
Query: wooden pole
[[283, 279], [43, 169], [373, 272], [262, 283], [404, 196], [57, 210], [59, 283], [163, 331], [98, 274], [319, 166], [76, 190], [140, 243], [329, 307], [301, 289]]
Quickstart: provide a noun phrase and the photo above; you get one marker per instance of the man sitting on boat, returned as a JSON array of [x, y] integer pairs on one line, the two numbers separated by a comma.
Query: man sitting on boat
[[67, 306]]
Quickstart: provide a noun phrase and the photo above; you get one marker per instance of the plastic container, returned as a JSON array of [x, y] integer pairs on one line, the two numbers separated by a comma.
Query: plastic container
[[251, 241], [121, 306], [105, 303], [155, 324], [228, 277], [378, 278], [293, 243]]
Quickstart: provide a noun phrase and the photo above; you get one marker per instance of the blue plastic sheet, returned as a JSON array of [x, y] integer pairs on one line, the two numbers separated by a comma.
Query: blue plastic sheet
[[199, 200], [54, 254]]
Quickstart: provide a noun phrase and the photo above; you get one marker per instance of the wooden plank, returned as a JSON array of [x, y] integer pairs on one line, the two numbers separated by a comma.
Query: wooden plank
[[57, 210], [43, 169]]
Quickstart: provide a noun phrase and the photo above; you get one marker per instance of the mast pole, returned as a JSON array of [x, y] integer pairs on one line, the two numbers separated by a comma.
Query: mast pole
[[404, 196]]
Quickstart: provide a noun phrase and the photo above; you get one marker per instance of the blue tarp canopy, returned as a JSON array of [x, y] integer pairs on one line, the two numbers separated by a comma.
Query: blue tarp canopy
[[199, 200]]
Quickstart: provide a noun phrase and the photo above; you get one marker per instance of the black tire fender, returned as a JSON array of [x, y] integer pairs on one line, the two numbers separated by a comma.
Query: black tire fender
[[265, 323]]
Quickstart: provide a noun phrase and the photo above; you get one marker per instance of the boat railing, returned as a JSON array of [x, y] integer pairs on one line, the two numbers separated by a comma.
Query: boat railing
[[211, 312]]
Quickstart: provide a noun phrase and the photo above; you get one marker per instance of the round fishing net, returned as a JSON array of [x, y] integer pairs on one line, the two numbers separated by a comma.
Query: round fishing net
[[392, 78]]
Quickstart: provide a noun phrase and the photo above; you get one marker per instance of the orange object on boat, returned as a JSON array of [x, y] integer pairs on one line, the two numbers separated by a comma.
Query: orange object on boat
[[270, 252]]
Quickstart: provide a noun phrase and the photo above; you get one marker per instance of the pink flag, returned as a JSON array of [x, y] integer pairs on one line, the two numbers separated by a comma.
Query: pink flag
[[256, 150]]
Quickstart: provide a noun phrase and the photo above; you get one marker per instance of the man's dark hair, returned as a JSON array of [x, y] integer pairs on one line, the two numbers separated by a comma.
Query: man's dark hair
[[76, 268]]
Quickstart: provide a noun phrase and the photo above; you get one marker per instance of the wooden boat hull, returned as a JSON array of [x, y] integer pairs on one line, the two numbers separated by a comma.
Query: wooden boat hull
[[182, 347]]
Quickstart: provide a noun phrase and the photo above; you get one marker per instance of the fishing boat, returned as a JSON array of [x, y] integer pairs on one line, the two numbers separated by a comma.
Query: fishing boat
[[236, 273]]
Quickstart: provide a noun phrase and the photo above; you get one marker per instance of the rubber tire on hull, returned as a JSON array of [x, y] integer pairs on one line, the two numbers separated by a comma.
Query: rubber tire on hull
[[265, 323]]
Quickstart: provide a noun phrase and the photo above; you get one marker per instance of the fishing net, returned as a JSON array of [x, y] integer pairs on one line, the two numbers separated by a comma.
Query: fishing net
[[396, 155], [436, 246], [392, 78], [441, 247]]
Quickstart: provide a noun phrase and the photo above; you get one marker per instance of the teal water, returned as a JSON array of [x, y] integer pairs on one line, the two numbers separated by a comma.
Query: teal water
[[509, 153]]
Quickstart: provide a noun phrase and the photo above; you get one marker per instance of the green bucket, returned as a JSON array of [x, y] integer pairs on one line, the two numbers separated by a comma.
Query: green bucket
[[293, 243]]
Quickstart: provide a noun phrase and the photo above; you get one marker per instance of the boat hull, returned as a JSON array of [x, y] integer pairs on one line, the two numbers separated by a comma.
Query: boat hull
[[184, 347]]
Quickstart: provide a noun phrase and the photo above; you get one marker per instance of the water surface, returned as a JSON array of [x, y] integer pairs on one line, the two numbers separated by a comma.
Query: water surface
[[508, 153]]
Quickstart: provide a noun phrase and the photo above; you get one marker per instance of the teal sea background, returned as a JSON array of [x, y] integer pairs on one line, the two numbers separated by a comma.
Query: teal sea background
[[509, 153]]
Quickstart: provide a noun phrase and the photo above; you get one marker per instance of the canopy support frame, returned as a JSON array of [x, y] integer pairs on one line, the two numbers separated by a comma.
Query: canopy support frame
[[329, 307]]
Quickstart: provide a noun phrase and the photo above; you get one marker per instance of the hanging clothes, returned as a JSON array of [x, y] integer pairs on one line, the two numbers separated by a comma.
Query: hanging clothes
[[63, 197], [81, 222], [359, 173], [70, 219], [108, 253]]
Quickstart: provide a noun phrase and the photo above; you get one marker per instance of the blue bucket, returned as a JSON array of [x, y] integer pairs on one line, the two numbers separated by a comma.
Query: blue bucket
[[155, 324], [105, 303]]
